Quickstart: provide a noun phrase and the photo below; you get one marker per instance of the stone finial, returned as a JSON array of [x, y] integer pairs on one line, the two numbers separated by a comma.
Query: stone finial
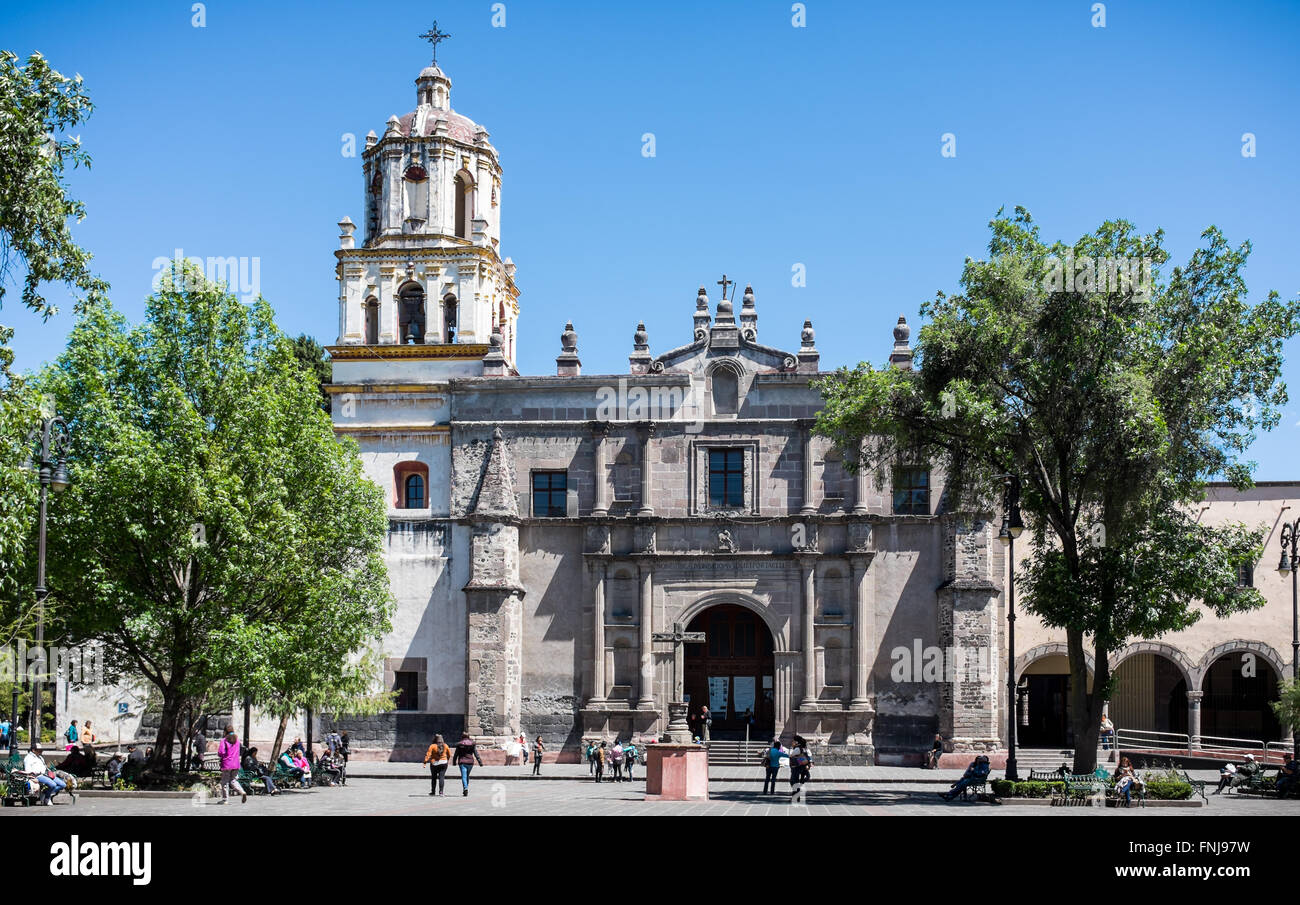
[[748, 315], [346, 229], [394, 126], [567, 363], [371, 139], [702, 316], [726, 309], [494, 362], [809, 358], [639, 360], [901, 357]]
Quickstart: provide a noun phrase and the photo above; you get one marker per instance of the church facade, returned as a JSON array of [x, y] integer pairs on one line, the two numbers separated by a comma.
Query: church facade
[[543, 529]]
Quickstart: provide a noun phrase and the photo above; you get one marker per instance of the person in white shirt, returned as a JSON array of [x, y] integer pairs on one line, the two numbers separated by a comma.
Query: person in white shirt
[[34, 766]]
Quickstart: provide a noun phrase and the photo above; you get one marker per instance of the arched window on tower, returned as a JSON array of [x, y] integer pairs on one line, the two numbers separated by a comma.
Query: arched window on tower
[[417, 194], [449, 316], [414, 492], [411, 483], [374, 200], [463, 191], [410, 303], [372, 320]]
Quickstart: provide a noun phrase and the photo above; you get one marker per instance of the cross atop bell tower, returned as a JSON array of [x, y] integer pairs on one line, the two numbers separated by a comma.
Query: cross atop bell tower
[[435, 37]]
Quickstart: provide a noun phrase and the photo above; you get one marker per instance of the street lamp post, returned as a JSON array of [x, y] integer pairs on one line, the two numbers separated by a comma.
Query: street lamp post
[[1288, 563], [1012, 527], [52, 471]]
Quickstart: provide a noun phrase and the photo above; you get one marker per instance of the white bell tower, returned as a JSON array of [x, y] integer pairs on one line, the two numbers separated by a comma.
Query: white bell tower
[[427, 279]]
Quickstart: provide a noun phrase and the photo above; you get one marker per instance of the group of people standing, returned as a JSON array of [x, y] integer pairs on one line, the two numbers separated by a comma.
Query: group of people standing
[[798, 755], [620, 758]]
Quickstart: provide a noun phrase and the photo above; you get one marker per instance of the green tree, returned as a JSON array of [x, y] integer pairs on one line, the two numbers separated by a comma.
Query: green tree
[[1113, 400], [214, 518], [313, 357], [37, 107]]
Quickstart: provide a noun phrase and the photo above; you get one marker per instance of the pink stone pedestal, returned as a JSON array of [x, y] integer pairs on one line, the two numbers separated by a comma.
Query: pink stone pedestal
[[676, 773]]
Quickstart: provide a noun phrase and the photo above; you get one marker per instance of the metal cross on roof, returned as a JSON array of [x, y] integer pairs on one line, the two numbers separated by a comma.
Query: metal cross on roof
[[435, 37], [724, 283]]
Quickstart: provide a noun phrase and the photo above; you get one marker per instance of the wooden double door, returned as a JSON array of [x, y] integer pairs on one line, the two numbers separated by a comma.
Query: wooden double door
[[733, 671]]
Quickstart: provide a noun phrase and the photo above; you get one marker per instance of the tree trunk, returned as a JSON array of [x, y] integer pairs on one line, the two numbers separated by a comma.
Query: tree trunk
[[279, 736], [1086, 707], [161, 762]]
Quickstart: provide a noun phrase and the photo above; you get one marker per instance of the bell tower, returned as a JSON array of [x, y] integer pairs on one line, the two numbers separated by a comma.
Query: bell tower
[[426, 273]]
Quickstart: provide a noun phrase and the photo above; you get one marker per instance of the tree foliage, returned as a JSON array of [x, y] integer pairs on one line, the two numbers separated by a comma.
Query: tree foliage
[[37, 106], [1114, 400], [214, 522], [313, 357]]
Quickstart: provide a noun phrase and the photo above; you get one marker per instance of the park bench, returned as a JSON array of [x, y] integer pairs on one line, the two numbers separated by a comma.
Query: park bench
[[1086, 785], [1253, 785], [1046, 775], [1198, 785], [978, 790]]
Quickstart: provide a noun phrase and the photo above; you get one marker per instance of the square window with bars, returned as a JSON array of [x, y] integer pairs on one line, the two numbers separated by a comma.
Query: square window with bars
[[727, 478], [550, 494], [912, 490]]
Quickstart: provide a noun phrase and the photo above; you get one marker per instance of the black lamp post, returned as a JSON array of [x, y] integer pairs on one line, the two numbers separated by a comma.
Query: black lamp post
[[52, 471], [1288, 563], [1012, 527]]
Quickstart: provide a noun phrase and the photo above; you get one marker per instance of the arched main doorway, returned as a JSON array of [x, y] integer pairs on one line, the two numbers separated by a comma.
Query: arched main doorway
[[1044, 705], [732, 671]]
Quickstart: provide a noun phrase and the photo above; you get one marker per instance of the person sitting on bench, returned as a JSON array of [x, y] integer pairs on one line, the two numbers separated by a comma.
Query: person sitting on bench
[[1126, 780], [1288, 777], [976, 774], [1226, 772], [1241, 777]]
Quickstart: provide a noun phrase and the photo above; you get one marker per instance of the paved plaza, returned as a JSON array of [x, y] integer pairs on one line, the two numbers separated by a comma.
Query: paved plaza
[[403, 790]]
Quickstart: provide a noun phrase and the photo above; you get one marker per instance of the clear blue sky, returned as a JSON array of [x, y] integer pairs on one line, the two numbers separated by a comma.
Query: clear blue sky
[[775, 145]]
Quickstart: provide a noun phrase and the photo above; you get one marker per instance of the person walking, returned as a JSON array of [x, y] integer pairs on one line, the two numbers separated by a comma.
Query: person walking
[[438, 757], [228, 760], [600, 761], [538, 748], [772, 765], [466, 757], [70, 735], [706, 723], [800, 766], [591, 758], [522, 741]]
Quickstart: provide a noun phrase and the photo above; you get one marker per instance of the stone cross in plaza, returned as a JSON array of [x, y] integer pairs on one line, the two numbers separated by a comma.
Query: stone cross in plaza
[[679, 730]]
